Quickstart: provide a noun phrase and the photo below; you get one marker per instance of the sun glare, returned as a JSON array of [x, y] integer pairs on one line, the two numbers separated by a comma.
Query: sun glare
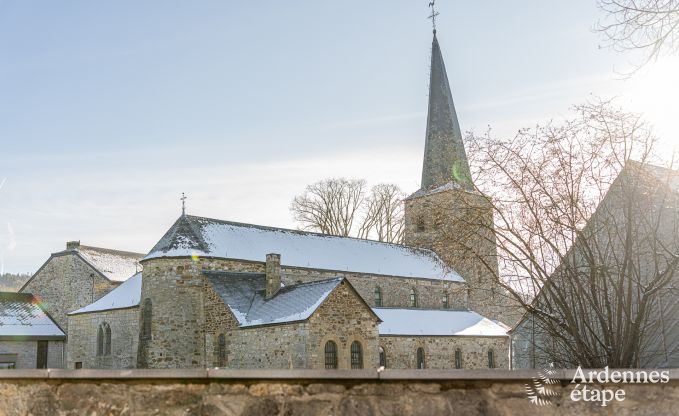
[[654, 92]]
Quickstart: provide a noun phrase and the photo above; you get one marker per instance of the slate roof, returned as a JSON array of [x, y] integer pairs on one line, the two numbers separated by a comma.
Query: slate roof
[[191, 235], [437, 322], [127, 295], [22, 316], [116, 265], [444, 155], [244, 294]]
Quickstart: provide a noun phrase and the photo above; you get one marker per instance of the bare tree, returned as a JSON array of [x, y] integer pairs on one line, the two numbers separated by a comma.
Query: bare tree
[[343, 207], [383, 216], [330, 206], [651, 26], [587, 239]]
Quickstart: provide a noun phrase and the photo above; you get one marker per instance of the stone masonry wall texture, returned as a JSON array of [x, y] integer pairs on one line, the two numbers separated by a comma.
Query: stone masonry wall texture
[[82, 347], [27, 353], [437, 395], [66, 283]]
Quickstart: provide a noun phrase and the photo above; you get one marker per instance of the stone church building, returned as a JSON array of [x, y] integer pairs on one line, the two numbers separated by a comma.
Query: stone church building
[[215, 293]]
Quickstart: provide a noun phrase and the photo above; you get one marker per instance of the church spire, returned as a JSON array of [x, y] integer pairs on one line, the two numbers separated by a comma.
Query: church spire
[[445, 159]]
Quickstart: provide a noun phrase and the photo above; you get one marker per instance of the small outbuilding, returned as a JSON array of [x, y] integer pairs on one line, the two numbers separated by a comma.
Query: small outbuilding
[[29, 337]]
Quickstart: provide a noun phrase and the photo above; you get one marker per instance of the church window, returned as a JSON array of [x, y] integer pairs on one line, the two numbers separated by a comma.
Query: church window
[[491, 359], [458, 358], [420, 358], [100, 341], [378, 296], [383, 358], [107, 339], [330, 355], [103, 339], [147, 315], [420, 223], [221, 350], [413, 298], [444, 300], [356, 355]]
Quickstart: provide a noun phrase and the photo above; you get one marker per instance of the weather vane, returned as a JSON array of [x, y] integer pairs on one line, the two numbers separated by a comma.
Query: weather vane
[[183, 199], [433, 15]]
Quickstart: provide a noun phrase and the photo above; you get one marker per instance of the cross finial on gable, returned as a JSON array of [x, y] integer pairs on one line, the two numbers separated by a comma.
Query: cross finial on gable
[[433, 15], [183, 199]]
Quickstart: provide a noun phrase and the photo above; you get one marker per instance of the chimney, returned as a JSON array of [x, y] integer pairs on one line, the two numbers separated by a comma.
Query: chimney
[[273, 274], [72, 245]]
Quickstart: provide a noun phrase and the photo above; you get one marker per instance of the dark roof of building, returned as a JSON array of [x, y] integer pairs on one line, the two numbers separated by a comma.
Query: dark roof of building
[[445, 159], [244, 294], [206, 237], [22, 316]]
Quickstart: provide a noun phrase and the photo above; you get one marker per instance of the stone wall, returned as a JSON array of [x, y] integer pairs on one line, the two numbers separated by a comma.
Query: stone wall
[[82, 330], [343, 318], [188, 316], [298, 393], [440, 351], [395, 290], [66, 283], [175, 288], [27, 353]]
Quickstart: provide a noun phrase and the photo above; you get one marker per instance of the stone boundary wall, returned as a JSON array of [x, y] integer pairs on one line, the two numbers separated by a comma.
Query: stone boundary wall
[[310, 392]]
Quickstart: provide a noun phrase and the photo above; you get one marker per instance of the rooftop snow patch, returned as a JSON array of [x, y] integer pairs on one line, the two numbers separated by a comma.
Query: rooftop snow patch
[[114, 264], [437, 322], [244, 294], [191, 236], [22, 316], [126, 295]]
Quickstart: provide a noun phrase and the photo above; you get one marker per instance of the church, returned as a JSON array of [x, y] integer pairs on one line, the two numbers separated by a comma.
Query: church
[[217, 293]]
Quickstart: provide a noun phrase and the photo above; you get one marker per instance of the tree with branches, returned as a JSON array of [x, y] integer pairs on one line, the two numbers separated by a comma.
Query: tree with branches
[[587, 239], [347, 208], [650, 26]]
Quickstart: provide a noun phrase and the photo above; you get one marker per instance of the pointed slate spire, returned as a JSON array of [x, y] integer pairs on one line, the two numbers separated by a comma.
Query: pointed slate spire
[[444, 157]]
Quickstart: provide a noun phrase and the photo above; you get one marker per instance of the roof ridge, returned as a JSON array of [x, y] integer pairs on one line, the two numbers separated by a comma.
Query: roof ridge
[[109, 250], [311, 283], [272, 228]]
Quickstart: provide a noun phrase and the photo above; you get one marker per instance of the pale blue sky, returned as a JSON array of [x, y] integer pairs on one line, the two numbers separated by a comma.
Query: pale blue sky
[[109, 110]]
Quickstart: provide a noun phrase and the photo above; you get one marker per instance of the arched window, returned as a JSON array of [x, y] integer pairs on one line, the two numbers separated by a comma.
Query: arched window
[[221, 350], [413, 298], [491, 359], [458, 358], [420, 358], [107, 339], [356, 355], [378, 296], [444, 300], [383, 358], [103, 339], [147, 316], [330, 355], [100, 341]]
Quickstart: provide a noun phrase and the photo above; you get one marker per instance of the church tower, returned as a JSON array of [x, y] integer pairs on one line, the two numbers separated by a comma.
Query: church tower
[[448, 214]]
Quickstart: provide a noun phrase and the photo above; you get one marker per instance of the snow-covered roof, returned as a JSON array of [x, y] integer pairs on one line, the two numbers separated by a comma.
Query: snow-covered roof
[[22, 316], [445, 187], [244, 294], [126, 295], [437, 322], [200, 236], [114, 264]]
